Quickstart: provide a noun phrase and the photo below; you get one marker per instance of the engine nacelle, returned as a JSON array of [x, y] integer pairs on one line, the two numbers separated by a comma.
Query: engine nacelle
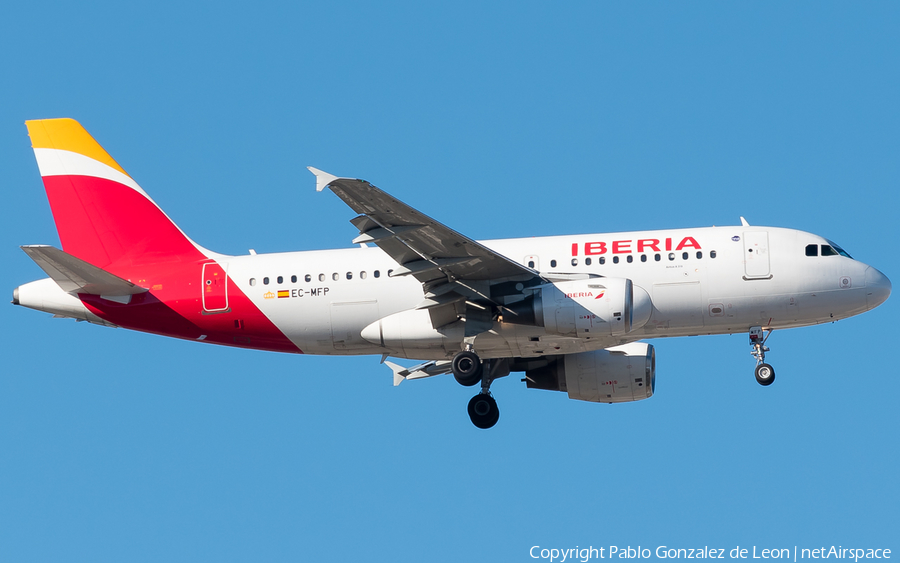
[[616, 375], [585, 308]]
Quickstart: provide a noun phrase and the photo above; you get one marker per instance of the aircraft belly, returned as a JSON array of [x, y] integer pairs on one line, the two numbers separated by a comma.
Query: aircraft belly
[[755, 310], [502, 341]]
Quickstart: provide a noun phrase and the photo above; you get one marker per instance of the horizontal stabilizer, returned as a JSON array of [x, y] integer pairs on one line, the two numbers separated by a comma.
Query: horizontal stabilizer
[[74, 275]]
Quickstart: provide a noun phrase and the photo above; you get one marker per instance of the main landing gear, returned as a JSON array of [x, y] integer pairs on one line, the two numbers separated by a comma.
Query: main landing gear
[[483, 411], [469, 369], [765, 374]]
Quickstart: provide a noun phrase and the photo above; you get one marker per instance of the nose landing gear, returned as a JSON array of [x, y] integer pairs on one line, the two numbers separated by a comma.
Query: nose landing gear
[[765, 374]]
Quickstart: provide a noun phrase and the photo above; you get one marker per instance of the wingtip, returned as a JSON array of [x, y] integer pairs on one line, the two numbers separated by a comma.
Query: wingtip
[[322, 178]]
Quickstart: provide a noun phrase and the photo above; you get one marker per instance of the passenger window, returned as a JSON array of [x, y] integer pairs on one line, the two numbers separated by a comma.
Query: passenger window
[[307, 277], [643, 257], [265, 281], [712, 253], [531, 263], [587, 261], [321, 277], [280, 280], [671, 256], [629, 258], [602, 260], [252, 281], [377, 273], [553, 263], [362, 275], [349, 275], [293, 279], [812, 249], [574, 261], [684, 255], [657, 257], [615, 259], [828, 251], [699, 255], [335, 276], [389, 272]]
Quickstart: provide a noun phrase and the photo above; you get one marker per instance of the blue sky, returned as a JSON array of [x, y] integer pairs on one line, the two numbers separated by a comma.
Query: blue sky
[[501, 120]]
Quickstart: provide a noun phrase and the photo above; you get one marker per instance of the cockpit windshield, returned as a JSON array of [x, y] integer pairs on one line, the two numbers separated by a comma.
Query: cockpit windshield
[[835, 250]]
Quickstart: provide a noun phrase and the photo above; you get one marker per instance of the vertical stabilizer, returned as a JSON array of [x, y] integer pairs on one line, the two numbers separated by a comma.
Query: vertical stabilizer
[[102, 215]]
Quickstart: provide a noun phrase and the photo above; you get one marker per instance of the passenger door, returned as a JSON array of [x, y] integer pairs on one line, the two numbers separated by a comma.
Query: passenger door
[[756, 255], [215, 288]]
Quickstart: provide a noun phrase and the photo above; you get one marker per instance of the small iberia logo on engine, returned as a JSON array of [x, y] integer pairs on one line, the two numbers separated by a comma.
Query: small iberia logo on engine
[[268, 295]]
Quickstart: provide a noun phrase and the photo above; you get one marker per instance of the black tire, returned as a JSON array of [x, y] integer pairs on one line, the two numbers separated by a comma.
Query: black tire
[[765, 374], [467, 368], [483, 411]]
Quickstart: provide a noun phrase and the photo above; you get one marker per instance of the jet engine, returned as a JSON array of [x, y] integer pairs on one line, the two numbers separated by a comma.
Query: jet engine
[[584, 308], [615, 375]]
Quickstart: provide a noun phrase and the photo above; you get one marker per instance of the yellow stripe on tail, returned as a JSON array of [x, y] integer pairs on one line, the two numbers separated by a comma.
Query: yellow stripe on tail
[[68, 135]]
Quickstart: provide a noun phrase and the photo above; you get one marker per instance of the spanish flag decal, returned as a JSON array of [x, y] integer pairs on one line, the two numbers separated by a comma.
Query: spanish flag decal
[[283, 293]]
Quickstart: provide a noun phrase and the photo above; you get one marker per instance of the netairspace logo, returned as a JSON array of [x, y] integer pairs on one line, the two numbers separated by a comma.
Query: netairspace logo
[[585, 554]]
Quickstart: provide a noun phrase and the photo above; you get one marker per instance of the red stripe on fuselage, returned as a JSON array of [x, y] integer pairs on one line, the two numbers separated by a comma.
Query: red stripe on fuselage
[[175, 309], [118, 229]]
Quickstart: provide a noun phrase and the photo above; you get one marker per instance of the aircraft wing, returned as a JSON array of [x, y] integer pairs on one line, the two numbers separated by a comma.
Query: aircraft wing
[[425, 249], [457, 272]]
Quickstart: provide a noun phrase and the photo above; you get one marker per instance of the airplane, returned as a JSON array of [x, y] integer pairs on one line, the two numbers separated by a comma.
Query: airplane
[[572, 312]]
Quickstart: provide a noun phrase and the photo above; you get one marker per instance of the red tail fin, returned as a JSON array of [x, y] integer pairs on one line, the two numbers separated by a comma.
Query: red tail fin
[[102, 215]]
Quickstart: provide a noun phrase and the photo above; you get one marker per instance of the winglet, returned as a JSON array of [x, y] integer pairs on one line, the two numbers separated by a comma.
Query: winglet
[[744, 222], [400, 372], [322, 178]]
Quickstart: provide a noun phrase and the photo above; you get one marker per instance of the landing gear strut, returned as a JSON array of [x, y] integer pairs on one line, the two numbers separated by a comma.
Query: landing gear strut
[[765, 374]]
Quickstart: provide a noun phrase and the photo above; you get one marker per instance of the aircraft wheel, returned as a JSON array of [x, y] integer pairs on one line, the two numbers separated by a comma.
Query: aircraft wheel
[[467, 368], [765, 374], [483, 411]]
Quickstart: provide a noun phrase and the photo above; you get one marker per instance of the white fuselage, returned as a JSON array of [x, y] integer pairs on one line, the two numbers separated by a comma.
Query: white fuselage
[[716, 280]]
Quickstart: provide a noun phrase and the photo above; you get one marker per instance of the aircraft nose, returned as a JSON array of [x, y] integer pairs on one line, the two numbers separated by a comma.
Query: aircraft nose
[[878, 288]]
